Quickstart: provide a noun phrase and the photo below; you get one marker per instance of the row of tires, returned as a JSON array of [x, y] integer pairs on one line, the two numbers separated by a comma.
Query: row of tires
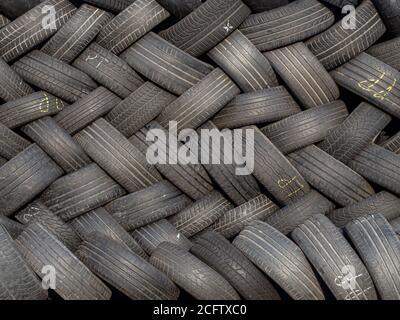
[[319, 217]]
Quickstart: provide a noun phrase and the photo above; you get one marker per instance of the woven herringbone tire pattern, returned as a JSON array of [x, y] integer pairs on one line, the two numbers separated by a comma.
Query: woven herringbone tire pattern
[[192, 149]]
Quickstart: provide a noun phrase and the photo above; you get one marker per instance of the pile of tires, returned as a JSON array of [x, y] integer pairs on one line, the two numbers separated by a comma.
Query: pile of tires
[[84, 214]]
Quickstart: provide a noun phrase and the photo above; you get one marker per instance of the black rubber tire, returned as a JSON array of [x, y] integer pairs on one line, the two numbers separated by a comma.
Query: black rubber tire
[[380, 166], [11, 226], [2, 161], [24, 177], [379, 247], [27, 31], [201, 102], [139, 108], [330, 176], [124, 270], [37, 212], [388, 52], [12, 87], [333, 257], [291, 216], [152, 235], [156, 202], [180, 8], [372, 80], [11, 143], [37, 105], [304, 75], [131, 24], [17, 280], [206, 26], [57, 143], [281, 259], [341, 3], [395, 223], [86, 110], [275, 171], [101, 221], [166, 65], [81, 191], [258, 107], [109, 70], [74, 281], [383, 202], [390, 13], [360, 129], [222, 256], [307, 127], [77, 33], [264, 5], [287, 24], [242, 61], [54, 76], [238, 186], [111, 5], [201, 214], [191, 274], [117, 156], [393, 144], [234, 221], [337, 45], [15, 8], [190, 179]]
